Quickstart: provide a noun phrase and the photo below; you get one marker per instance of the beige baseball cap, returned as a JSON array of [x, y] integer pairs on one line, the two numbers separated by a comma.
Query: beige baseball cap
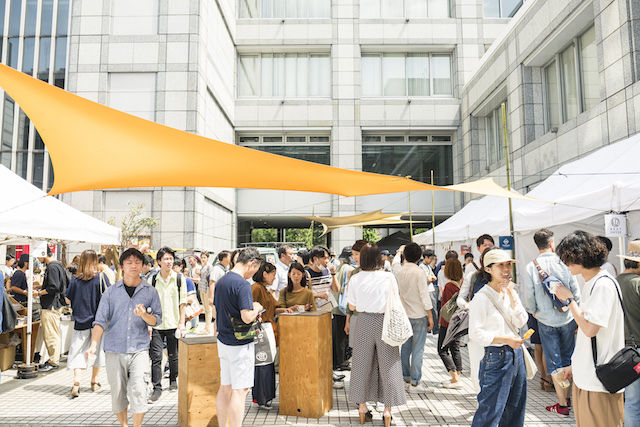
[[495, 256]]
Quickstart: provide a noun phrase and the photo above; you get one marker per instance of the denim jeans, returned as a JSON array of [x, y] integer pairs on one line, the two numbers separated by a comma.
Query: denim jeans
[[558, 344], [632, 404], [503, 388], [413, 349], [435, 312]]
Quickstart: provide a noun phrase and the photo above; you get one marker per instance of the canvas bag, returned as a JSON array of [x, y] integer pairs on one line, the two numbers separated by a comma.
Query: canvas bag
[[9, 314], [265, 345], [396, 327], [450, 306]]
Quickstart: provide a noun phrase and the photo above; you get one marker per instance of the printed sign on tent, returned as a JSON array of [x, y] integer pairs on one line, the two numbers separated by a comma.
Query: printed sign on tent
[[615, 225], [506, 243]]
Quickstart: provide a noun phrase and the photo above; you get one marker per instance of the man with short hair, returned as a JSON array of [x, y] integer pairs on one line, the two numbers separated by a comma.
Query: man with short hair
[[417, 302], [125, 312], [233, 300], [7, 269], [386, 257], [556, 329], [427, 265], [285, 258], [148, 270], [323, 277], [629, 281], [51, 300], [172, 291], [104, 268]]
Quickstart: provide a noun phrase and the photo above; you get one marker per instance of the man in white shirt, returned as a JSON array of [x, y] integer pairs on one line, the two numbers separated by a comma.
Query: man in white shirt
[[412, 285], [285, 258], [218, 270], [104, 268], [427, 265], [599, 315]]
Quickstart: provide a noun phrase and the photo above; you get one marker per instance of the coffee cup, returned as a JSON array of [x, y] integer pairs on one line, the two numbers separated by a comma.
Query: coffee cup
[[553, 287], [558, 375], [301, 308]]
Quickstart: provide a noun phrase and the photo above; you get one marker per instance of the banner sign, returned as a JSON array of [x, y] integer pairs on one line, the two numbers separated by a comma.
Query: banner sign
[[506, 243], [615, 225]]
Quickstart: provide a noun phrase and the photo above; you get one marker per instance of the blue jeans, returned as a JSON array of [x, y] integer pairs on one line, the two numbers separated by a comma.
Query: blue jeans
[[558, 344], [503, 388], [632, 404], [413, 349]]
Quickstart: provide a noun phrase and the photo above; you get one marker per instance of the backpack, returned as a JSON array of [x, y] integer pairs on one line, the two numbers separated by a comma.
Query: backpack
[[547, 280], [178, 281]]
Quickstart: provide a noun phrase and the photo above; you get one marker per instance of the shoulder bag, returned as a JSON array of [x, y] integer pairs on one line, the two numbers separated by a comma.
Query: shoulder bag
[[624, 367], [529, 363], [546, 279], [396, 327], [450, 306], [9, 314]]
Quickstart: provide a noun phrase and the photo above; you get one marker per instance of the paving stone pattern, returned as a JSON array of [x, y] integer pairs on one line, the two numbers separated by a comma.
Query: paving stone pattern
[[45, 401]]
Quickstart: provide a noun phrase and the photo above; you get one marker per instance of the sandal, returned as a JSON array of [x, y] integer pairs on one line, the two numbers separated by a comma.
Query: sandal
[[75, 390], [387, 420], [365, 417], [546, 385], [95, 386]]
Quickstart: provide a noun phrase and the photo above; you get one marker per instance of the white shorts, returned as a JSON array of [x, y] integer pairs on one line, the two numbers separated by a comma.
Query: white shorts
[[236, 365]]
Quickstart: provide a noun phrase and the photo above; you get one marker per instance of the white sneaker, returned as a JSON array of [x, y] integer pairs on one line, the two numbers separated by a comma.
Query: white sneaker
[[379, 406], [420, 389], [455, 385], [338, 384]]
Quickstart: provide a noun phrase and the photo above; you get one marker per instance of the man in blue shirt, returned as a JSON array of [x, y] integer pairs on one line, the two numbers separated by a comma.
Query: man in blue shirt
[[126, 310], [556, 329], [232, 299]]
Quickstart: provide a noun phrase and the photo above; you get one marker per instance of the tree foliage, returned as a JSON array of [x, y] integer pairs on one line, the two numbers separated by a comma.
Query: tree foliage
[[370, 235], [133, 223]]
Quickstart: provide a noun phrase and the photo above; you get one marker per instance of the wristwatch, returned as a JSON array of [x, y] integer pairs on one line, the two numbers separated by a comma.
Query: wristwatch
[[570, 300]]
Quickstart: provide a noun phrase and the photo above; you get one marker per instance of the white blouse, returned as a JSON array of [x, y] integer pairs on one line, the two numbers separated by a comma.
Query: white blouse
[[486, 322], [368, 290]]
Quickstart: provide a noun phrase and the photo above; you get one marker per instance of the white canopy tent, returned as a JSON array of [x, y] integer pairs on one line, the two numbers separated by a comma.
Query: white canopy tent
[[605, 181], [28, 215]]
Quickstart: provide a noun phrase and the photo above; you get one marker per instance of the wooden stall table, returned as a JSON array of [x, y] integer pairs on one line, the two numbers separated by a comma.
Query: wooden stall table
[[306, 364], [199, 372], [22, 329]]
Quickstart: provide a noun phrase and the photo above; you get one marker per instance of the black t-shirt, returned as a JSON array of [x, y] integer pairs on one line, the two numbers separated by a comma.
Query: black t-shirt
[[55, 279], [232, 295], [19, 280], [130, 290]]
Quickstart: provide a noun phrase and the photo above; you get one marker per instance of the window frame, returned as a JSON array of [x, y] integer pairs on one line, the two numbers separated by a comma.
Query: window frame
[[285, 142], [405, 14], [498, 133], [284, 11]]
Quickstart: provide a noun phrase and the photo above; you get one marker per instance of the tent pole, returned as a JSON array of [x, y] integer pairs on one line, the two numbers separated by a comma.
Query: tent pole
[[410, 220], [506, 156], [433, 215], [26, 352]]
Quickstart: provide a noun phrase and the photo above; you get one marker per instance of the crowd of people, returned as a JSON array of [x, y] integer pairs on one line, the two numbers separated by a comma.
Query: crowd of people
[[577, 322]]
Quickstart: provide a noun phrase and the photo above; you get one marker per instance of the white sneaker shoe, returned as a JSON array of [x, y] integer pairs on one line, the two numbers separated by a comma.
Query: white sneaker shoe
[[455, 385], [379, 407], [338, 384], [419, 389]]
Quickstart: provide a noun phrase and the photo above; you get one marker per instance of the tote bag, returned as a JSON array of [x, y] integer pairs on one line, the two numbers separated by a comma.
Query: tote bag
[[396, 328]]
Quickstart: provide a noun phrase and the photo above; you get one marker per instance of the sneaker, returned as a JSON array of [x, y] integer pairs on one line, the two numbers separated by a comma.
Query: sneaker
[[444, 383], [48, 367], [266, 406], [346, 366], [379, 407], [338, 384], [338, 377], [451, 385], [419, 389], [558, 409], [173, 387], [155, 396]]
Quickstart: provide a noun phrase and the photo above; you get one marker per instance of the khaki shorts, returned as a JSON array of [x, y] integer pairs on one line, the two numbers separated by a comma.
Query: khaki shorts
[[597, 409], [128, 374]]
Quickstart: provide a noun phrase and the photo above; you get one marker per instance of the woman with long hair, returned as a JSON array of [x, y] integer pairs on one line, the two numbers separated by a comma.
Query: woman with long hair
[[495, 315], [376, 369], [264, 385], [83, 294], [450, 354], [297, 293]]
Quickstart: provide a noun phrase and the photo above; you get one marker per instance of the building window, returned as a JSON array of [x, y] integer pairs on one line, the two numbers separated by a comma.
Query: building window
[[406, 74], [412, 155], [571, 81], [284, 75], [404, 9], [285, 9], [501, 8], [133, 18], [312, 148], [495, 133], [133, 93]]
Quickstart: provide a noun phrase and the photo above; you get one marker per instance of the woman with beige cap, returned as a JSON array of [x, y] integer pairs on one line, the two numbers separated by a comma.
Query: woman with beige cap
[[495, 313]]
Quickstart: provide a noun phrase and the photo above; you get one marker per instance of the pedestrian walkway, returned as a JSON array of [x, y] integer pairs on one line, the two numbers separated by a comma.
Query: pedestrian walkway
[[45, 401]]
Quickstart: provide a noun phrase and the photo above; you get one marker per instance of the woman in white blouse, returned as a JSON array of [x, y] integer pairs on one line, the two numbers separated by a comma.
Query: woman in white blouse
[[376, 370], [494, 314]]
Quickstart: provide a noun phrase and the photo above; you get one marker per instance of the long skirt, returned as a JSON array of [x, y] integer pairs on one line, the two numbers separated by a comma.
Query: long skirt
[[376, 369], [264, 384]]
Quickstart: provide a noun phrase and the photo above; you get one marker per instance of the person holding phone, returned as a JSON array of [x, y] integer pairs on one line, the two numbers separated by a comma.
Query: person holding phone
[[297, 295], [494, 313]]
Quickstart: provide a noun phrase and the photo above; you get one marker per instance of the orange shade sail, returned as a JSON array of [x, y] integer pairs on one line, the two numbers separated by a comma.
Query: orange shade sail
[[96, 147]]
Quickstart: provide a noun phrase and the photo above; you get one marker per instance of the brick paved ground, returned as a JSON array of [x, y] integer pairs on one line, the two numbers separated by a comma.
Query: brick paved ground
[[45, 401]]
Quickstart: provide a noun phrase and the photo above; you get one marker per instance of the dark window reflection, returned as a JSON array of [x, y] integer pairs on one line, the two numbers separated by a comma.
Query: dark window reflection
[[47, 18], [32, 12], [14, 17], [45, 59], [23, 131], [7, 131], [414, 160], [12, 57], [27, 60], [60, 61], [38, 170], [38, 144], [310, 153], [22, 159], [63, 17], [50, 180]]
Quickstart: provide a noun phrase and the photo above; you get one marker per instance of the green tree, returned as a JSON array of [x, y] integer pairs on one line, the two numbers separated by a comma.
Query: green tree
[[370, 235], [133, 223], [259, 235], [304, 235]]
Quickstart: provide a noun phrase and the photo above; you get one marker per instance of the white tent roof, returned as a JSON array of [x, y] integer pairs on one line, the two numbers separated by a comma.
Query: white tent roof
[[607, 180], [28, 213]]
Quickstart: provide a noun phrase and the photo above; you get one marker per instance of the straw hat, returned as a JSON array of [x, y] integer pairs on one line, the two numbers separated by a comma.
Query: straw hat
[[496, 256], [633, 251]]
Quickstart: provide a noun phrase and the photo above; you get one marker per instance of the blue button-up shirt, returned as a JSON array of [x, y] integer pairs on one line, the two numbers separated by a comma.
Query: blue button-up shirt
[[536, 299], [124, 332]]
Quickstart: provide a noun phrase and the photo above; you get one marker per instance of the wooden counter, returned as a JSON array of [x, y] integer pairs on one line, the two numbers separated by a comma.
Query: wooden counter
[[306, 364], [199, 381]]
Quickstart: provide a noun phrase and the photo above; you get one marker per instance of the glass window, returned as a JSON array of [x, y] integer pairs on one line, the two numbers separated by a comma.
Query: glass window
[[38, 170], [495, 134], [23, 131], [38, 143], [311, 153], [47, 18], [132, 18], [569, 84], [290, 7], [319, 75], [319, 139], [278, 75], [266, 8], [418, 74], [589, 69], [491, 8], [371, 139], [271, 139], [393, 74], [60, 62], [2, 10], [416, 8], [303, 75], [491, 138], [303, 10], [441, 66], [32, 12], [12, 57], [371, 75], [370, 8], [296, 139], [50, 180], [440, 138], [249, 9], [501, 8], [278, 8], [510, 7], [7, 131], [133, 93], [249, 139], [553, 103], [44, 59], [392, 9], [63, 16], [404, 8], [394, 138], [27, 59], [409, 159], [14, 17], [290, 70], [438, 8], [248, 76], [319, 9]]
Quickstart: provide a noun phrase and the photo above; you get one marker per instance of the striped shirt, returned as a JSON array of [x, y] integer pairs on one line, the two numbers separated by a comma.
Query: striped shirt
[[320, 282]]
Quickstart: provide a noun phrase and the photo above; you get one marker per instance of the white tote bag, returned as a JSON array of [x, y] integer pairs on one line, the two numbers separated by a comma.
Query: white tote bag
[[396, 328]]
